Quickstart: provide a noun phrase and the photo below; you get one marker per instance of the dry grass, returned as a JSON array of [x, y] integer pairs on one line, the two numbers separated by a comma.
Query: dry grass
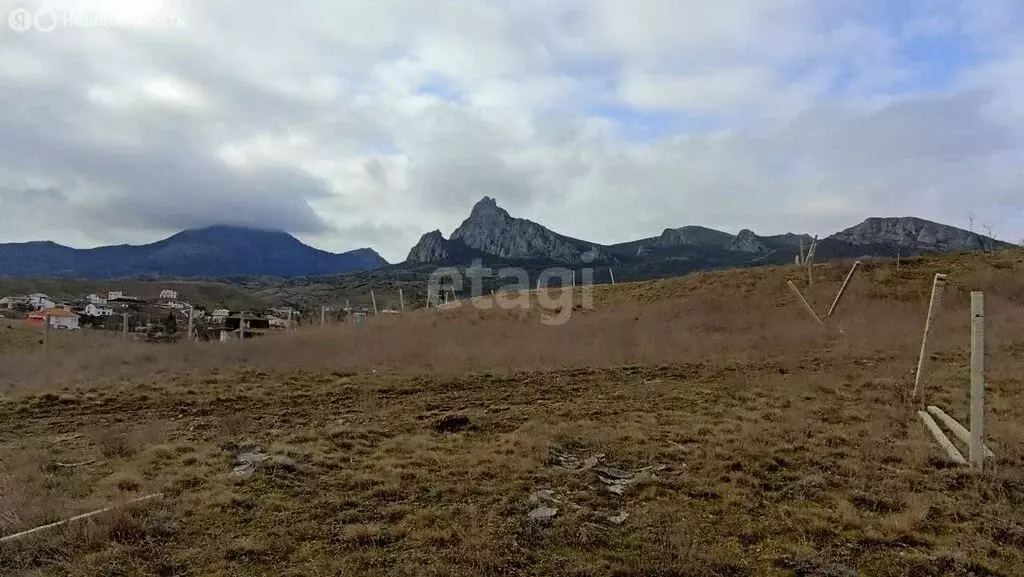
[[790, 449]]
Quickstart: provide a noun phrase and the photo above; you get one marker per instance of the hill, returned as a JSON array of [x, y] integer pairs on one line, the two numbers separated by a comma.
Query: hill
[[692, 426], [208, 252]]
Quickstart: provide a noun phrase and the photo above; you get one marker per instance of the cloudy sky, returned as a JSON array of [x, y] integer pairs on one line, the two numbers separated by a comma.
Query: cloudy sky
[[369, 122]]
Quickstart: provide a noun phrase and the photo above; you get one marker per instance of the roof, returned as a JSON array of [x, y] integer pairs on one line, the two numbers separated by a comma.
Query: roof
[[57, 312]]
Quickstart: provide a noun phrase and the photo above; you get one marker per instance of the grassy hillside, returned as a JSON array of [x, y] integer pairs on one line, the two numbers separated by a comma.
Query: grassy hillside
[[753, 440]]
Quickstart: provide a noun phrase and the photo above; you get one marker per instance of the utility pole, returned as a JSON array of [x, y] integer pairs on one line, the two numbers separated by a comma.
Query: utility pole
[[46, 334]]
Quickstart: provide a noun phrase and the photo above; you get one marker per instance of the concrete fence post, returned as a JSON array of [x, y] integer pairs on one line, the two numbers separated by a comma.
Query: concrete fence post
[[611, 273], [373, 299], [401, 300], [842, 289], [977, 379], [803, 301], [938, 286]]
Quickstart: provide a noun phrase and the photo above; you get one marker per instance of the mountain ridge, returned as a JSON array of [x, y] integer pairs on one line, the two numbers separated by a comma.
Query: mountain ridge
[[219, 250], [490, 231]]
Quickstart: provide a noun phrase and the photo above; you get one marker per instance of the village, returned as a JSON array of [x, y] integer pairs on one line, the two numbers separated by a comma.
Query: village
[[164, 319]]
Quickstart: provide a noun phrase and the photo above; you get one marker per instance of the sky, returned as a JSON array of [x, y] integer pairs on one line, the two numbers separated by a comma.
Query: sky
[[370, 122]]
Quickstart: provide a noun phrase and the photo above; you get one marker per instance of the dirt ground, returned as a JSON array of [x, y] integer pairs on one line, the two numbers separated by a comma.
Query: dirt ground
[[803, 457]]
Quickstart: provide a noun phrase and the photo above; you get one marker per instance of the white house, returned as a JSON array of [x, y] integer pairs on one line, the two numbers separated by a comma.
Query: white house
[[95, 310], [61, 318], [113, 295], [168, 294], [96, 299], [40, 301]]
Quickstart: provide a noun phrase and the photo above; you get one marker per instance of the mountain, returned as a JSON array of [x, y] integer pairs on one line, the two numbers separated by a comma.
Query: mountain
[[216, 251], [491, 232]]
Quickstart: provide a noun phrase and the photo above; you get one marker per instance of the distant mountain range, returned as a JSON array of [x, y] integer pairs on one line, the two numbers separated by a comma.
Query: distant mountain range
[[217, 251], [492, 233]]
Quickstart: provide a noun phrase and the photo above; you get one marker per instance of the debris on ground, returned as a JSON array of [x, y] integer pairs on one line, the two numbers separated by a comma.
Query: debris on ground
[[570, 462], [245, 462], [618, 519], [543, 513], [614, 479], [452, 423], [544, 495]]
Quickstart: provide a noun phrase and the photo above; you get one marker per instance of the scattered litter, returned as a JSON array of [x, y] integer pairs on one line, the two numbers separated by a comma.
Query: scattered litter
[[70, 465], [573, 463], [618, 519], [543, 495], [543, 513], [245, 462], [451, 424], [613, 473]]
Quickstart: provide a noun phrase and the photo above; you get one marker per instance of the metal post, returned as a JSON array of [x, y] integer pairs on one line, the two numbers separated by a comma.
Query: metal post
[[977, 379], [938, 285], [401, 300]]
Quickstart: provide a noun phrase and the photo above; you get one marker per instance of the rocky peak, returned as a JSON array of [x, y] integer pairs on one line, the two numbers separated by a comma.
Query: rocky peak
[[747, 241], [692, 236], [432, 247], [491, 230], [487, 208], [914, 234]]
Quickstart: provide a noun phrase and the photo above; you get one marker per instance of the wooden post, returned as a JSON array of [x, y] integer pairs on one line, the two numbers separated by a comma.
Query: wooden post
[[401, 300], [124, 328], [191, 314], [977, 379], [289, 329], [842, 289], [803, 301], [938, 285], [611, 273], [374, 300], [897, 260], [941, 438], [323, 316], [800, 256], [956, 428], [46, 334]]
